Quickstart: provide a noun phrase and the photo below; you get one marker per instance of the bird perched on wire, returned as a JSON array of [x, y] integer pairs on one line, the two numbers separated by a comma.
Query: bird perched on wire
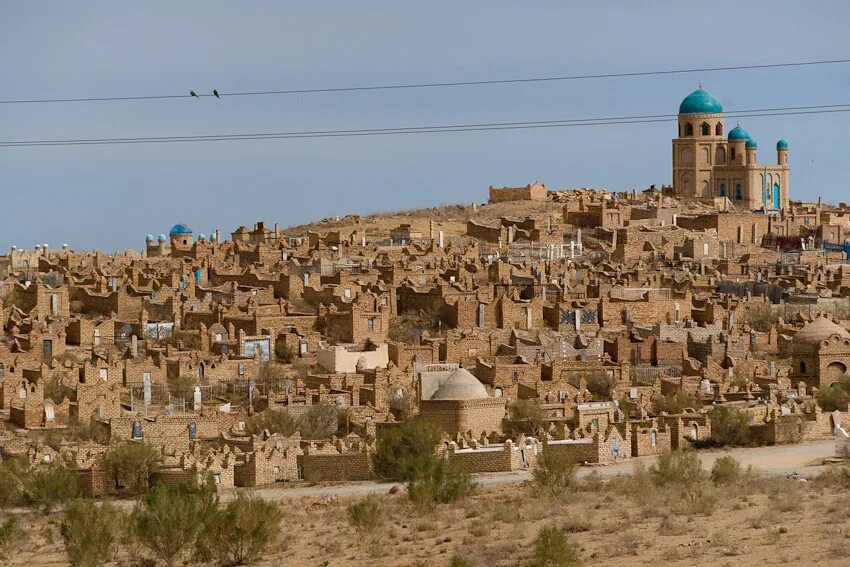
[[215, 92], [192, 93]]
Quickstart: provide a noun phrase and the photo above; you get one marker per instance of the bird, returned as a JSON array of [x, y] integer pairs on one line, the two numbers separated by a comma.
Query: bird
[[192, 93], [215, 92]]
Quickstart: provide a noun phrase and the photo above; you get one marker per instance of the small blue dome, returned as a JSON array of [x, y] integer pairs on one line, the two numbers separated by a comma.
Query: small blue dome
[[180, 228], [782, 145], [751, 144], [162, 238], [149, 238], [738, 133], [700, 102], [202, 236]]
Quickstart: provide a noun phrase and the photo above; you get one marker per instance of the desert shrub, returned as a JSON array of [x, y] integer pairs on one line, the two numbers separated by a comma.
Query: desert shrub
[[90, 532], [10, 534], [409, 325], [677, 468], [181, 386], [524, 417], [600, 385], [437, 481], [399, 446], [784, 497], [402, 404], [239, 532], [674, 403], [369, 345], [729, 427], [551, 549], [131, 465], [367, 514], [554, 474], [459, 561], [275, 421], [12, 471], [169, 518], [838, 476], [283, 353], [726, 471], [833, 398], [321, 421], [694, 501], [47, 485]]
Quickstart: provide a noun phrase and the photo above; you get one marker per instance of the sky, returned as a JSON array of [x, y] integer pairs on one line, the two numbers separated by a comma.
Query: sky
[[109, 197]]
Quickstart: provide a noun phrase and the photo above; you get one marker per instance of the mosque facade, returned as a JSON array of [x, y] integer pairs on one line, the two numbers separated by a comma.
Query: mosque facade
[[708, 162]]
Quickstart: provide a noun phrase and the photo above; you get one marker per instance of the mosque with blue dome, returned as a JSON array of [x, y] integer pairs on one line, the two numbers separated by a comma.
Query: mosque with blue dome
[[179, 242], [709, 163]]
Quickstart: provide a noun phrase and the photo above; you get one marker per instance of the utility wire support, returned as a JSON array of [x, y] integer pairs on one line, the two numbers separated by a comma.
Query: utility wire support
[[786, 111], [222, 94]]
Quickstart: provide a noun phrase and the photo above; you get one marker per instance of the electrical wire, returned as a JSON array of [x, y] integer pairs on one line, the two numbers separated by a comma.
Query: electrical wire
[[223, 94]]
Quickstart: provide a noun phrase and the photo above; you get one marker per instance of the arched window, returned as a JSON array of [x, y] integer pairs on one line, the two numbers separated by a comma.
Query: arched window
[[738, 195], [687, 156], [720, 155], [732, 153], [689, 129], [802, 367], [718, 130], [722, 190], [705, 129]]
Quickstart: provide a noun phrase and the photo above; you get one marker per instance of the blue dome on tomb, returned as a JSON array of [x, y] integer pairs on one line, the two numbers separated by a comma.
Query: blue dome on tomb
[[162, 238], [700, 102], [782, 145], [751, 144], [149, 238], [180, 228], [738, 133]]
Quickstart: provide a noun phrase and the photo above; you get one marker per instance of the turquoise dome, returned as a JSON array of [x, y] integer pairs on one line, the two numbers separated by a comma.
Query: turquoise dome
[[700, 102], [738, 133], [180, 228], [149, 238], [162, 238], [751, 144], [202, 236], [781, 145]]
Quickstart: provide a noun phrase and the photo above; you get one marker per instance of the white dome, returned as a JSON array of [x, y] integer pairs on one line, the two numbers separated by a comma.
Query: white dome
[[460, 385]]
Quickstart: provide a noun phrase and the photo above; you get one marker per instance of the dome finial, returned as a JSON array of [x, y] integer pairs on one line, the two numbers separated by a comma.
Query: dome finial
[[700, 85]]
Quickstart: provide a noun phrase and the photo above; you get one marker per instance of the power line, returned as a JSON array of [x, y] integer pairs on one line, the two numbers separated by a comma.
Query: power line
[[448, 128], [222, 94]]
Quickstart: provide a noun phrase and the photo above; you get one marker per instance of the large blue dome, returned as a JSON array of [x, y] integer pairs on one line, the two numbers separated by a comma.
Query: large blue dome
[[738, 133], [700, 102], [180, 228]]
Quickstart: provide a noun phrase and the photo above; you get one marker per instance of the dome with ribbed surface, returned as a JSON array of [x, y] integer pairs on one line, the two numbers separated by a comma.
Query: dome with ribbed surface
[[180, 228], [460, 385], [700, 102], [738, 133], [818, 330], [781, 145]]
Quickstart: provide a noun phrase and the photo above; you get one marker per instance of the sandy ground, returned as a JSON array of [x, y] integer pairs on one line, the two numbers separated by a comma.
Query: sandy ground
[[770, 521]]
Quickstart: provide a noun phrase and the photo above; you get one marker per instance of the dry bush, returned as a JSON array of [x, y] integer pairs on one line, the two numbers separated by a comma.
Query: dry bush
[[90, 532], [554, 474], [239, 532], [10, 535], [726, 471], [785, 497], [680, 468], [367, 515]]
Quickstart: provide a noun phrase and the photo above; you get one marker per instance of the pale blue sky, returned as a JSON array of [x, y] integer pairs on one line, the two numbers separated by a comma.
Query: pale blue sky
[[109, 197]]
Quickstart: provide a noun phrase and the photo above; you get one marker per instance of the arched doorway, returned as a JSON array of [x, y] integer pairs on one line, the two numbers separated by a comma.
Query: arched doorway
[[833, 372], [776, 199]]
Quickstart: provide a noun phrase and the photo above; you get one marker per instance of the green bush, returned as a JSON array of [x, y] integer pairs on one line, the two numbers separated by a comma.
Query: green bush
[[551, 549], [10, 535], [726, 471], [729, 427], [677, 468], [90, 532], [833, 398], [169, 518], [524, 417], [283, 353], [398, 446], [554, 474], [674, 403], [459, 561], [437, 481], [12, 470], [239, 532], [367, 514], [275, 421], [131, 465], [321, 421], [48, 485]]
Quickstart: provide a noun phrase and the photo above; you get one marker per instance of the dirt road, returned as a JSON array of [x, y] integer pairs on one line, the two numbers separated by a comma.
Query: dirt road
[[804, 458]]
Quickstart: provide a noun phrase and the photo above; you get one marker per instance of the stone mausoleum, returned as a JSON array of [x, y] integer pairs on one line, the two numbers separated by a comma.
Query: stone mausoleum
[[709, 163]]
